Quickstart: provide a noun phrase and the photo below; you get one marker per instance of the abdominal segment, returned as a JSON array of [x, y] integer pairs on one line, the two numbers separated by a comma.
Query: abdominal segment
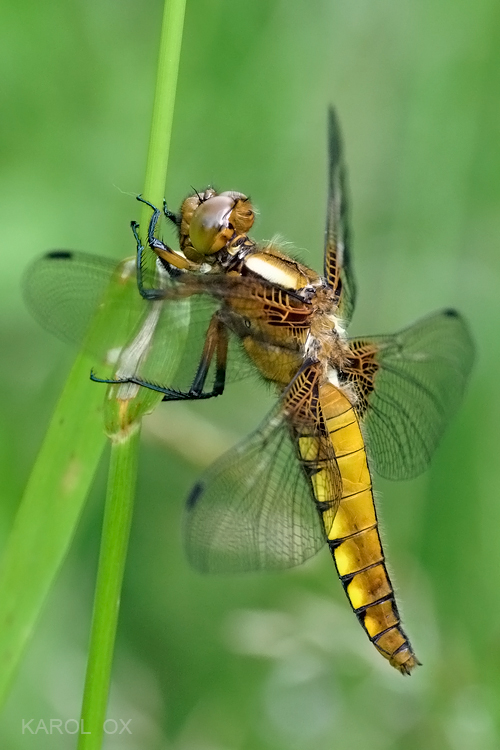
[[354, 539]]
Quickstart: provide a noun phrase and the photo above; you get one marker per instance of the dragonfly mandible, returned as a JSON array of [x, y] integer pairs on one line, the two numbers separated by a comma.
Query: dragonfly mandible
[[303, 479]]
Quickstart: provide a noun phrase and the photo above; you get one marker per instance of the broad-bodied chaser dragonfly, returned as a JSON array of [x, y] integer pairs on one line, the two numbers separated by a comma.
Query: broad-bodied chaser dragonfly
[[346, 406]]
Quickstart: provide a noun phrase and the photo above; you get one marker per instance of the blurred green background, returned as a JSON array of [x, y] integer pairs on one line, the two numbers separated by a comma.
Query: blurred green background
[[266, 662]]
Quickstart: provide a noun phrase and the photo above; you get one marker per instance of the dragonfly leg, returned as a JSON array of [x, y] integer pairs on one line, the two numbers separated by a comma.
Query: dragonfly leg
[[158, 246], [174, 218], [171, 259], [153, 242], [216, 342], [170, 393], [173, 271], [149, 294]]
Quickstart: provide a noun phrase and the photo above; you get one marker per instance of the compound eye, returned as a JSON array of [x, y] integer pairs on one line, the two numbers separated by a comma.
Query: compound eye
[[209, 226], [242, 215]]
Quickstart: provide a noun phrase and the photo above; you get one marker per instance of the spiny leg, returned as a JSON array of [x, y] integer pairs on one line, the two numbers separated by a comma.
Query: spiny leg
[[174, 218], [216, 342], [153, 241], [161, 249], [149, 294]]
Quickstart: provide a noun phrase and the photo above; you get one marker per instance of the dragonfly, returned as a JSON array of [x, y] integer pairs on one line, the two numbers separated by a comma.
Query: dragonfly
[[346, 407]]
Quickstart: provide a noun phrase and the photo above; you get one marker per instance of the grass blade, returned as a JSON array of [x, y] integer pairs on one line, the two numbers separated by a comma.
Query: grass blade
[[49, 512]]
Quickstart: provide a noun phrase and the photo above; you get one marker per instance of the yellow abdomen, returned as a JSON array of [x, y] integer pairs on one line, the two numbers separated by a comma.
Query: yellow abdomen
[[354, 539]]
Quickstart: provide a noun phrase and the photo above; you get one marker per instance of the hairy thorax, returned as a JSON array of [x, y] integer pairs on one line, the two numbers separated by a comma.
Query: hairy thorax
[[278, 349]]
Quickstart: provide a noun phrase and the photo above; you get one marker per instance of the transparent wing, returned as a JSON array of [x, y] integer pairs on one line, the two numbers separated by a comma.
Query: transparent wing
[[63, 290], [408, 386], [338, 268], [256, 507]]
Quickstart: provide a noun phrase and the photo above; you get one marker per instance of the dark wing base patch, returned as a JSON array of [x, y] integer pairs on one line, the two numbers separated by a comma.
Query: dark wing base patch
[[408, 386]]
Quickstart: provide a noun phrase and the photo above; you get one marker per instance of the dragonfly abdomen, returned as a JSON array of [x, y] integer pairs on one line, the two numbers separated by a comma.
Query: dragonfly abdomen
[[354, 538]]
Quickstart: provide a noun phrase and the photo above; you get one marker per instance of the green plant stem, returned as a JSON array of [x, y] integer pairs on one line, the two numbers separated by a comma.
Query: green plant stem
[[163, 107], [112, 556], [125, 444]]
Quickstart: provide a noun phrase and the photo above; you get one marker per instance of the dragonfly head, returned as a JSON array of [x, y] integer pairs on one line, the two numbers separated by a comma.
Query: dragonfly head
[[210, 221]]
